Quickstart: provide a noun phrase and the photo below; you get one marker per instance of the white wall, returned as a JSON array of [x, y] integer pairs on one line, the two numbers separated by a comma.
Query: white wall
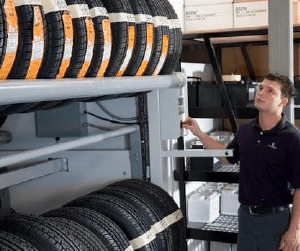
[[90, 167]]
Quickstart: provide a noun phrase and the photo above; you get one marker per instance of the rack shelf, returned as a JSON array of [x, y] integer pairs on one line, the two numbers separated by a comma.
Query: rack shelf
[[209, 176], [220, 112], [236, 37], [198, 234], [27, 91], [223, 229]]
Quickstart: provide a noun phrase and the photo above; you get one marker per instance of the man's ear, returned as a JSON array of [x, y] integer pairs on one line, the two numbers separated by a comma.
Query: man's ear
[[285, 101]]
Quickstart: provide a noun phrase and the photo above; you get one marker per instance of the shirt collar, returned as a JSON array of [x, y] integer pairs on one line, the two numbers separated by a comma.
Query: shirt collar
[[276, 129]]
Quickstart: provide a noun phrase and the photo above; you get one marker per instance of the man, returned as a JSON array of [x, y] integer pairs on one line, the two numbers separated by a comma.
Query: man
[[268, 149]]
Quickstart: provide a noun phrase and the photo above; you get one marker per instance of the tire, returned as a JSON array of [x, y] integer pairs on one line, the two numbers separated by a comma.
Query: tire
[[9, 33], [147, 208], [144, 38], [103, 39], [164, 202], [3, 33], [58, 43], [3, 44], [54, 45], [80, 41], [161, 37], [126, 216], [68, 43], [10, 242], [123, 36], [40, 233], [104, 228], [175, 42], [30, 48], [84, 239]]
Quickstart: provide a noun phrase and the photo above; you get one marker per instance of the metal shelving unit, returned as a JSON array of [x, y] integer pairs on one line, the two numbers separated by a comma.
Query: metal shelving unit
[[214, 41], [27, 165]]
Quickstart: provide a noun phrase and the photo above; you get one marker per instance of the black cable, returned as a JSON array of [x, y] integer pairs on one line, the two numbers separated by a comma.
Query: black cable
[[104, 109], [109, 120], [98, 127]]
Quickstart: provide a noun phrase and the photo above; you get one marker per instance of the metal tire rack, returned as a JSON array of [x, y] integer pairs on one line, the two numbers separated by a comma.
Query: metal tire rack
[[15, 168]]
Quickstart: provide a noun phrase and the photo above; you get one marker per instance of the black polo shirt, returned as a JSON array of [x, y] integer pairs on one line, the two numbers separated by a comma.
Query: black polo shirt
[[269, 163]]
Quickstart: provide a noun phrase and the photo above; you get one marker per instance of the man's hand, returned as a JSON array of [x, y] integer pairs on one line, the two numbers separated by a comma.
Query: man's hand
[[290, 241], [192, 125]]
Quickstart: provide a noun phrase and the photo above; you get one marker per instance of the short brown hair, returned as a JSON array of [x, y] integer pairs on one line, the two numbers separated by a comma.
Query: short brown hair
[[287, 86]]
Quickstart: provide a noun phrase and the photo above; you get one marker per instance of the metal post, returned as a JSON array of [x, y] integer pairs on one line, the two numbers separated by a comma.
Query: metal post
[[136, 155], [182, 189], [155, 142], [5, 202], [281, 42]]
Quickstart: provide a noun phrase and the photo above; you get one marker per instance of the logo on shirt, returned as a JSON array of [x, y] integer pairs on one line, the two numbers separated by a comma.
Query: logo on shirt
[[273, 146]]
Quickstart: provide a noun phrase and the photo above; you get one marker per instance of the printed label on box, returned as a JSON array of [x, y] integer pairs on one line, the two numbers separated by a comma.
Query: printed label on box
[[251, 14], [207, 17]]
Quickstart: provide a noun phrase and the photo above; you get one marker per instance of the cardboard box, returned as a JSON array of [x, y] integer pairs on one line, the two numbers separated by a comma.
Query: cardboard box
[[255, 13], [251, 14], [208, 17], [205, 2]]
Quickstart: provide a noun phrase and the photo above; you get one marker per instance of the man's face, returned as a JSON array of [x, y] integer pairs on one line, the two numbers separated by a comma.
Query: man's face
[[268, 97]]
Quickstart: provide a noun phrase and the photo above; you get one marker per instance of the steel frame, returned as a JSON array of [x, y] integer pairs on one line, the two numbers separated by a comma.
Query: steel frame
[[27, 91]]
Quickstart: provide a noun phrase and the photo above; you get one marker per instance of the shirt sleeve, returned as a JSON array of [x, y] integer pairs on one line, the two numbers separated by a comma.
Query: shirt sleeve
[[235, 146]]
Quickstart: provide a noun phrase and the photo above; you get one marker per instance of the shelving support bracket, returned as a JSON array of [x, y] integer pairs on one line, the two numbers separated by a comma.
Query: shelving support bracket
[[5, 202], [222, 89]]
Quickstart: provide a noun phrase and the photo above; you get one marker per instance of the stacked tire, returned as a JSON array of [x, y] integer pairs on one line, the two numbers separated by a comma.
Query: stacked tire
[[54, 39], [126, 215]]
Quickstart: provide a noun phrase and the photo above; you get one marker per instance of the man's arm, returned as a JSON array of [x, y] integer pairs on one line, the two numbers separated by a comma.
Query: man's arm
[[291, 239], [208, 142]]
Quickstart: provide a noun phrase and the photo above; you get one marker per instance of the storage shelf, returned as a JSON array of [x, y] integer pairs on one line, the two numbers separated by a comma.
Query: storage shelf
[[214, 40], [209, 176], [220, 112], [223, 229], [199, 234], [237, 36]]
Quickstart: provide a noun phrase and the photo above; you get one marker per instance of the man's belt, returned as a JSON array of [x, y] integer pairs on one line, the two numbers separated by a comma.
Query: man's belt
[[260, 210]]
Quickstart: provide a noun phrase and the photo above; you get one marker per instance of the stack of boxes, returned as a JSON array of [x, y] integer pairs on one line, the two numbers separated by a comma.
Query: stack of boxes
[[201, 15]]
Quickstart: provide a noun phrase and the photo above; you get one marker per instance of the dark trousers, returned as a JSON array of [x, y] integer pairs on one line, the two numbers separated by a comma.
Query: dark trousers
[[262, 232]]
